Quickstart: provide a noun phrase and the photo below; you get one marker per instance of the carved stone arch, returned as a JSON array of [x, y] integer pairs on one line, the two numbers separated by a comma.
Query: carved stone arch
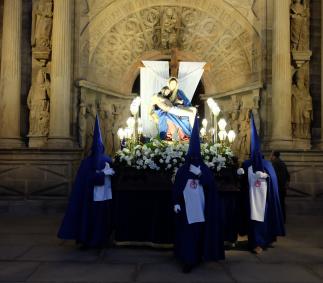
[[120, 35]]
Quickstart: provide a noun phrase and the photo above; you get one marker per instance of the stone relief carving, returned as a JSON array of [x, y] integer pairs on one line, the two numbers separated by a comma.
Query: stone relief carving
[[112, 114], [301, 106], [223, 40], [299, 15], [38, 104]]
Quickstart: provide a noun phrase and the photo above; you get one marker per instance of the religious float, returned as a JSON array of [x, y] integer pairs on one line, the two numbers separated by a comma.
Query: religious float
[[152, 151]]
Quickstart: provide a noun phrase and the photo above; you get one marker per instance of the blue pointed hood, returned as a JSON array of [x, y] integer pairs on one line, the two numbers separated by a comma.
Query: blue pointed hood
[[97, 150], [194, 150], [255, 147]]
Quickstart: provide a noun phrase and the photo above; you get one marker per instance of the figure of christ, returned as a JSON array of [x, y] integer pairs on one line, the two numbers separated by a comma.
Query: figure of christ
[[173, 111]]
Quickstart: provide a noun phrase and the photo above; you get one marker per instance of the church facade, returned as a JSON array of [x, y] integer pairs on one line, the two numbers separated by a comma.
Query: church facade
[[64, 62]]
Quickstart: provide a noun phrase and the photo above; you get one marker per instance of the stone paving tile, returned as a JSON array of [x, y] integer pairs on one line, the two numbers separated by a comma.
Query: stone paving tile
[[16, 271], [137, 255], [80, 272], [30, 225], [238, 256], [30, 239], [171, 272], [318, 269], [59, 253], [261, 272], [10, 252], [292, 254]]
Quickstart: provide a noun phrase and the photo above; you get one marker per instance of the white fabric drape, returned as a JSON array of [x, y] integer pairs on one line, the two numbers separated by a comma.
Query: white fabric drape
[[153, 77], [189, 75]]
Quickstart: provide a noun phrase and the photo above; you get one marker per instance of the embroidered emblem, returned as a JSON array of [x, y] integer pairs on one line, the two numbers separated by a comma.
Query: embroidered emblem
[[193, 184], [257, 183]]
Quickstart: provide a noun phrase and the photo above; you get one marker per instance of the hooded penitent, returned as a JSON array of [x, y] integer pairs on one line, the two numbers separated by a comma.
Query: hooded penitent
[[88, 221], [265, 223], [202, 239]]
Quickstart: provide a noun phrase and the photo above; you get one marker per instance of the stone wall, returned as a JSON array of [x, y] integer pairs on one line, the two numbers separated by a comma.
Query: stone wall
[[110, 38], [32, 174]]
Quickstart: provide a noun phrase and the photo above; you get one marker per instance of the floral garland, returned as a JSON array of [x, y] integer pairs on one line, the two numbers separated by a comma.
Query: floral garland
[[160, 155]]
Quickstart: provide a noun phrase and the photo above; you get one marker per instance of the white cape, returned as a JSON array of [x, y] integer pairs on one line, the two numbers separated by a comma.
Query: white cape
[[257, 196], [194, 201]]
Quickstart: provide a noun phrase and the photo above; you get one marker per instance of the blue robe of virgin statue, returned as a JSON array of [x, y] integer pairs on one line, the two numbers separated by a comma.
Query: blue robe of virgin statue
[[181, 122], [264, 233], [88, 221], [200, 240]]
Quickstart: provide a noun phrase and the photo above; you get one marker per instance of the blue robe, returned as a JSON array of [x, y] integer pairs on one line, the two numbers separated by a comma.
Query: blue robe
[[264, 233], [181, 122], [204, 240], [86, 221]]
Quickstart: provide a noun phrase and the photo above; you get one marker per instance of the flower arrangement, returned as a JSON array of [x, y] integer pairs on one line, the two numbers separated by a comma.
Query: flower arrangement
[[159, 155]]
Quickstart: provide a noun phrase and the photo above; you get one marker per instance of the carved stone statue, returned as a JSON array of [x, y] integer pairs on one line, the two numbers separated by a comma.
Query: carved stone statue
[[255, 111], [299, 32], [106, 123], [244, 134], [301, 107], [235, 124], [82, 124], [38, 104], [90, 123], [169, 28], [119, 116]]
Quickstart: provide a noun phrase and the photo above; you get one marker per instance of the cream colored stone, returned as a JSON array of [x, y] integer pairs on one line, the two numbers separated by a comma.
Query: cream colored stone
[[10, 80], [281, 77], [61, 72]]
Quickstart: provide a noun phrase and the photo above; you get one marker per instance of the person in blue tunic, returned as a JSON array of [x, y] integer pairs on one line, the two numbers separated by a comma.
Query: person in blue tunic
[[198, 229], [88, 215], [266, 220], [172, 107]]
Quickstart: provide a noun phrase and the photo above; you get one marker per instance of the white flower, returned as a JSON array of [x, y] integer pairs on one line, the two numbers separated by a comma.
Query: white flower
[[174, 161], [138, 153], [161, 161], [169, 166]]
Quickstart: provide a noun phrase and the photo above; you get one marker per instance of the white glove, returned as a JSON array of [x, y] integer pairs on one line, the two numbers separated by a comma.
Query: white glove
[[177, 208], [240, 171], [261, 175], [108, 170], [195, 170]]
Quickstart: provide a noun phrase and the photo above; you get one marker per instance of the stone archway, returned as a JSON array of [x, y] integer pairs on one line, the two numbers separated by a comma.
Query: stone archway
[[119, 34]]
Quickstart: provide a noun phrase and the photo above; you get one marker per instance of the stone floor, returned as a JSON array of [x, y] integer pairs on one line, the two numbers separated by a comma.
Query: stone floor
[[30, 252]]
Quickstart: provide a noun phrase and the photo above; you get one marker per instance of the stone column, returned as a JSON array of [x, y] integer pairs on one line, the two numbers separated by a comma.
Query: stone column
[[281, 77], [61, 70], [10, 78]]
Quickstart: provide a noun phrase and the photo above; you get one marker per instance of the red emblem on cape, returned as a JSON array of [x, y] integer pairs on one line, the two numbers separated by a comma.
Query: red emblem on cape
[[257, 183], [193, 184]]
